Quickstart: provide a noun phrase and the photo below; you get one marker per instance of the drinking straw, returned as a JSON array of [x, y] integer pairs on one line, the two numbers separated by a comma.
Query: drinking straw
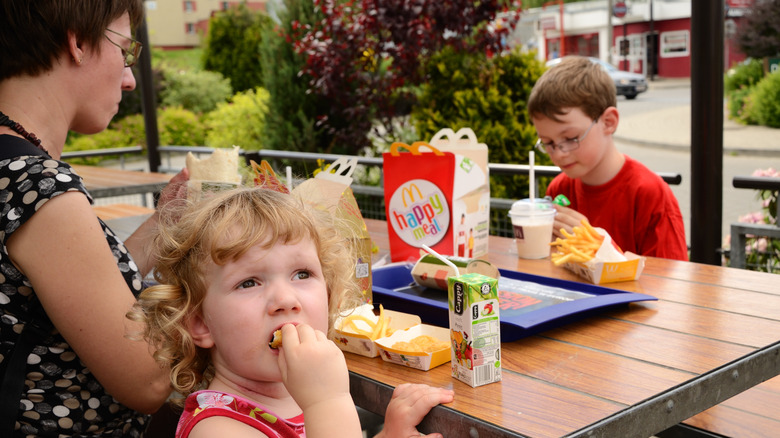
[[438, 256], [289, 178], [531, 181]]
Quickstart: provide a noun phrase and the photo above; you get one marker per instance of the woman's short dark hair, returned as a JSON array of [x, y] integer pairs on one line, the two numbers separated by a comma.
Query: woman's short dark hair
[[33, 33]]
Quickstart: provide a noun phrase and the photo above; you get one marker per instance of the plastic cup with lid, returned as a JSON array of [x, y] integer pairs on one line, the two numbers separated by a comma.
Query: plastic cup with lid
[[532, 224]]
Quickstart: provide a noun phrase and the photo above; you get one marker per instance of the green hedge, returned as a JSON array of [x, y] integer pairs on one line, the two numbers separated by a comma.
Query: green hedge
[[765, 108]]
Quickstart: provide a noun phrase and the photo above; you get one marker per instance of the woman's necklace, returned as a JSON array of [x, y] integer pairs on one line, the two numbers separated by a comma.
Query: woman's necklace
[[19, 129]]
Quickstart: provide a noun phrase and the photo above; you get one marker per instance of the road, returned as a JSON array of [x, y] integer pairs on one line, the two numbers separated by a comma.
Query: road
[[736, 202]]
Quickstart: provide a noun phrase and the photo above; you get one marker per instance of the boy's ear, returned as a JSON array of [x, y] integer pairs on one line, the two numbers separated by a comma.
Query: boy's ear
[[611, 118], [199, 330]]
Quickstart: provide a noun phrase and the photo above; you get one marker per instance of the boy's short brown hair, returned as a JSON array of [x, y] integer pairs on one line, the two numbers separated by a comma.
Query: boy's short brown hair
[[576, 82]]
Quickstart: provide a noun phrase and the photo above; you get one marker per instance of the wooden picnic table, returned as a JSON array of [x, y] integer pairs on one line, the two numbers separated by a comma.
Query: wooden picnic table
[[629, 371], [104, 182], [690, 362]]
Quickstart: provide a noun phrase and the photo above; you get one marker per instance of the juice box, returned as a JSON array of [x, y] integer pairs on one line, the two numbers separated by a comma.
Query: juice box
[[474, 328]]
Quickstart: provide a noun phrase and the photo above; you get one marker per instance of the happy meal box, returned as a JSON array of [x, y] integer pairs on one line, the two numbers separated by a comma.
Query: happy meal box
[[474, 328], [438, 194]]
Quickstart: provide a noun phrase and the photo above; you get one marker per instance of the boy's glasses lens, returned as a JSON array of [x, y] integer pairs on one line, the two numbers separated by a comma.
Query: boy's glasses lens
[[564, 146]]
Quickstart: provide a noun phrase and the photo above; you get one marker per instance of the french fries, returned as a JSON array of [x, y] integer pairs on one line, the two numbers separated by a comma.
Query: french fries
[[421, 344], [578, 247], [378, 329]]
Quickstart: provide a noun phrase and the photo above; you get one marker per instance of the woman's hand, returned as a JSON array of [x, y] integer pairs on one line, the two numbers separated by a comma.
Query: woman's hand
[[175, 190], [567, 219], [409, 404]]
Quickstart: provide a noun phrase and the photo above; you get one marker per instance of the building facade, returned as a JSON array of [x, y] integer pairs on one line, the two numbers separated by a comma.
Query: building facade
[[182, 24], [641, 36]]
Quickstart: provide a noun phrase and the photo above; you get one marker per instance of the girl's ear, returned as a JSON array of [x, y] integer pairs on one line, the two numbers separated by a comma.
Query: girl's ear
[[74, 48], [611, 118], [199, 330]]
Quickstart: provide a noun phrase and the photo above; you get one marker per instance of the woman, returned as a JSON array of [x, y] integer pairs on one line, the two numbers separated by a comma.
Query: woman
[[66, 281]]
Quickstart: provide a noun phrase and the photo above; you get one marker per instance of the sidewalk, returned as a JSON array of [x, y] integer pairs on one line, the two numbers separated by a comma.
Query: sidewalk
[[671, 129]]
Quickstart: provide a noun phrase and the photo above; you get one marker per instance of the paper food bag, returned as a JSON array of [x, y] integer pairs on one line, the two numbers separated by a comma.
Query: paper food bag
[[330, 190], [218, 171]]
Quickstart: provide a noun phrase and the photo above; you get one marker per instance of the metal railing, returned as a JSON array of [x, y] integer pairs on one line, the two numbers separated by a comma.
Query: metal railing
[[369, 198], [756, 246]]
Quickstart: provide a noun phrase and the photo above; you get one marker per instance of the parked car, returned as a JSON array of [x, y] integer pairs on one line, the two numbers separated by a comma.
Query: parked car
[[628, 84]]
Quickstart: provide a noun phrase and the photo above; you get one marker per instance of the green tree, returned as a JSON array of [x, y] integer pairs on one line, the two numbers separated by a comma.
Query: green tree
[[365, 57], [233, 46], [291, 120], [488, 95], [759, 36], [196, 90], [240, 122]]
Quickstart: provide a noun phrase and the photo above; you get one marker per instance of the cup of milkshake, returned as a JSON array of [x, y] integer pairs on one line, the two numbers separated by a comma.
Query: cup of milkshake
[[532, 223]]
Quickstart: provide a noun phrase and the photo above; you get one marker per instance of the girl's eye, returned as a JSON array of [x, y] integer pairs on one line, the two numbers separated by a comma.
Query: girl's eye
[[247, 284], [302, 275]]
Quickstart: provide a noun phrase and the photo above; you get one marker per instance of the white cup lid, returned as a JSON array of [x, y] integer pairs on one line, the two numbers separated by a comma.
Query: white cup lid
[[524, 207]]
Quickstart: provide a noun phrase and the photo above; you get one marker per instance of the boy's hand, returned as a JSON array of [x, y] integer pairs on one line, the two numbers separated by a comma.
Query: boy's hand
[[567, 219], [313, 368], [409, 404]]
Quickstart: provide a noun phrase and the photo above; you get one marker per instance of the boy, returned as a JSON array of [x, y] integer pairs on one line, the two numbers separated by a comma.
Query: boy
[[573, 107]]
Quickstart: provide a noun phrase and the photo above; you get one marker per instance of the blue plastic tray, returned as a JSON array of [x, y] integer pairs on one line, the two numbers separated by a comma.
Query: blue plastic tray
[[529, 303]]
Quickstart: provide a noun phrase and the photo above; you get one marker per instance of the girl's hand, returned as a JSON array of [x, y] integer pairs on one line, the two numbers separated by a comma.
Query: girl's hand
[[567, 219], [313, 368], [409, 404]]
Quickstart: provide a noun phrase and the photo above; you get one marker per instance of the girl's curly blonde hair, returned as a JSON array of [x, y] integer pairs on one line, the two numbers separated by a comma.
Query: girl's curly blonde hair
[[218, 230]]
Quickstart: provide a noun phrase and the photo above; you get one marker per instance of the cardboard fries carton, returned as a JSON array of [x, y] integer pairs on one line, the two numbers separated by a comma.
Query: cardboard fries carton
[[352, 342], [415, 359], [475, 328], [600, 272], [609, 265]]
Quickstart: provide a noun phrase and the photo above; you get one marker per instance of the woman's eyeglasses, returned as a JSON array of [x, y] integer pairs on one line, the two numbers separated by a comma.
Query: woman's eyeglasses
[[564, 146], [131, 53]]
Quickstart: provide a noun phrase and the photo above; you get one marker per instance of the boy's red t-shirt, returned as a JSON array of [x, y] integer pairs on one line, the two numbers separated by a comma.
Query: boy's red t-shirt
[[637, 208]]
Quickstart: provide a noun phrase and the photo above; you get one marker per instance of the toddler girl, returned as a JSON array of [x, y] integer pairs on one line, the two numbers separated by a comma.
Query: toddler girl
[[233, 270]]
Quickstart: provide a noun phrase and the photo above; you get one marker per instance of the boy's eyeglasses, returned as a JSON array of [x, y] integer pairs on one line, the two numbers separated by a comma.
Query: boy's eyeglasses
[[131, 53], [564, 146]]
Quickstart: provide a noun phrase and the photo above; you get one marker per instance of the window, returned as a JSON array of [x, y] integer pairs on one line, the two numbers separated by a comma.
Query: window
[[675, 44], [190, 28], [189, 6]]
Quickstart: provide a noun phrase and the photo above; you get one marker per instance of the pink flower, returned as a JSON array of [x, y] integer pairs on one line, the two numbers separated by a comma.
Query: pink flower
[[771, 172], [757, 217]]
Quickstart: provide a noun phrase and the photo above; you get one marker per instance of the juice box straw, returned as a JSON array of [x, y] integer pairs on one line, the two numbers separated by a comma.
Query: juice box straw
[[438, 256], [531, 179]]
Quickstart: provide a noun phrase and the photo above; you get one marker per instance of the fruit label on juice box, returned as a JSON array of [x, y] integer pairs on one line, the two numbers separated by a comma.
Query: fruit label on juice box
[[475, 329]]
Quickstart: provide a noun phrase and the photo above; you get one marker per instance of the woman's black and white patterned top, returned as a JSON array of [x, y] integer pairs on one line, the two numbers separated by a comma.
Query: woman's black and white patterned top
[[60, 396]]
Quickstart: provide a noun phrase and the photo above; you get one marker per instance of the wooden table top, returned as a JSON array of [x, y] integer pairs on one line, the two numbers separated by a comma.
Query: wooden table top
[[629, 371], [103, 182]]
